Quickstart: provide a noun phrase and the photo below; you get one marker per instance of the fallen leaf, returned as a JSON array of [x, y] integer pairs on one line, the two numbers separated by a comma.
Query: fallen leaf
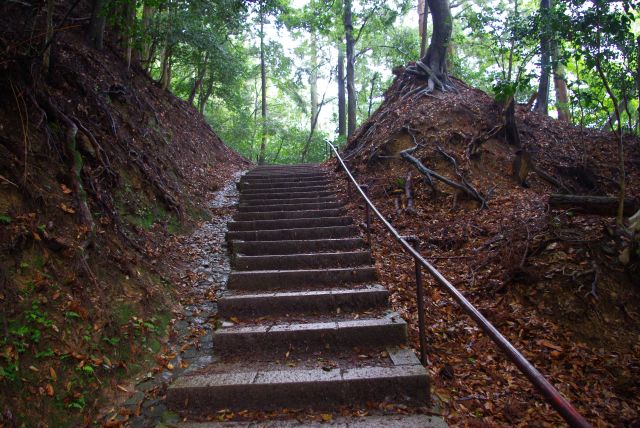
[[65, 189], [327, 417], [66, 208], [550, 345], [49, 389], [122, 388], [53, 374]]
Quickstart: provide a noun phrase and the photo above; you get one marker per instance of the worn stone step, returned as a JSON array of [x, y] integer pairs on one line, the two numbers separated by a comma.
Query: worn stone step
[[238, 387], [264, 280], [288, 201], [279, 215], [285, 195], [295, 302], [285, 190], [291, 223], [290, 207], [377, 421], [283, 178], [256, 248], [301, 261], [390, 330], [291, 234], [253, 186]]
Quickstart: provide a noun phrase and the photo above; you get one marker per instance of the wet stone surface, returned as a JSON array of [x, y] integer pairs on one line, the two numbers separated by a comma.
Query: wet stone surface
[[190, 346]]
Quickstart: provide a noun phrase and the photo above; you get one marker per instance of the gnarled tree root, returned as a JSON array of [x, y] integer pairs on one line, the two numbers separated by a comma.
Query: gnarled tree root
[[474, 194]]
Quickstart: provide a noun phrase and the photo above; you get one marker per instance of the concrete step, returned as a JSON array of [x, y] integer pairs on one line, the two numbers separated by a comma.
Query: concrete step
[[253, 186], [256, 248], [293, 234], [389, 330], [278, 215], [377, 421], [291, 223], [238, 387], [285, 190], [290, 207], [295, 302], [245, 196], [288, 201], [263, 280], [301, 261]]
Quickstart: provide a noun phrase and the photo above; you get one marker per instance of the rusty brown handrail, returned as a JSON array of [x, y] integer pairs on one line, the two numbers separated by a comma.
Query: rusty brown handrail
[[551, 394]]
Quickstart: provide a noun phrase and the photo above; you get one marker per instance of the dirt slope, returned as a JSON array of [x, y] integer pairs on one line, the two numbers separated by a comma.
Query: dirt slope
[[550, 280], [84, 302]]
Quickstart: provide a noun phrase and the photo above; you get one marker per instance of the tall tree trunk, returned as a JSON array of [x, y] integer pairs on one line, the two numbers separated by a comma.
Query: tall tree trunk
[[351, 87], [263, 86], [373, 84], [145, 53], [97, 24], [197, 80], [129, 30], [542, 102], [423, 18], [560, 85], [435, 59], [165, 78], [313, 80], [342, 104], [204, 96]]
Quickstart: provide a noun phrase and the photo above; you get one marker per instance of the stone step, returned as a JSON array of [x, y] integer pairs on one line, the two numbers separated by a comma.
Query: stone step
[[290, 207], [278, 215], [301, 261], [326, 301], [291, 223], [389, 330], [255, 248], [285, 190], [287, 201], [283, 178], [238, 387], [376, 421], [286, 195], [293, 234], [253, 186], [263, 280]]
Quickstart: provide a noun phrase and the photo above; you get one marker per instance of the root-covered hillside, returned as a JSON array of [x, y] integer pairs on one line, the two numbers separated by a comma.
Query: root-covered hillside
[[559, 283], [98, 169]]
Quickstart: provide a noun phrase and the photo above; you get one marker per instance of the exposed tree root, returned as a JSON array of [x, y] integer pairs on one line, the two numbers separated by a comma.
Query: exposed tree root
[[434, 80], [474, 194]]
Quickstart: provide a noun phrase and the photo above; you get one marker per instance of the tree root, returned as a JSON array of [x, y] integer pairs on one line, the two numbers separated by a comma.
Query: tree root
[[473, 190], [474, 194], [434, 81]]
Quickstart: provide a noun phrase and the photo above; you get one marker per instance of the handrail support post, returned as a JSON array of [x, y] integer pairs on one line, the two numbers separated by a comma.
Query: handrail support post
[[415, 243], [365, 189]]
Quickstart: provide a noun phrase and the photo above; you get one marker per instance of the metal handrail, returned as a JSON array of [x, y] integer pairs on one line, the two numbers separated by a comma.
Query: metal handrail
[[552, 395]]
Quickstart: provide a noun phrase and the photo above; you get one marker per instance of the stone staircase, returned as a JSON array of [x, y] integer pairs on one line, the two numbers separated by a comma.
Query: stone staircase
[[305, 324]]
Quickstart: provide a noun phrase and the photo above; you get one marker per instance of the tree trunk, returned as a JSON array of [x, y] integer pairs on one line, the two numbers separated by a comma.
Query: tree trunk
[[313, 80], [435, 59], [204, 96], [638, 85], [165, 78], [560, 85], [542, 103], [342, 107], [145, 53], [197, 80], [97, 24], [373, 83], [423, 18], [263, 86], [129, 30], [351, 87]]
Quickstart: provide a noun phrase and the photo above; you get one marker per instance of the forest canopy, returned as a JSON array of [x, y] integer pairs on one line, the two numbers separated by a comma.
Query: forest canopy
[[323, 67]]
